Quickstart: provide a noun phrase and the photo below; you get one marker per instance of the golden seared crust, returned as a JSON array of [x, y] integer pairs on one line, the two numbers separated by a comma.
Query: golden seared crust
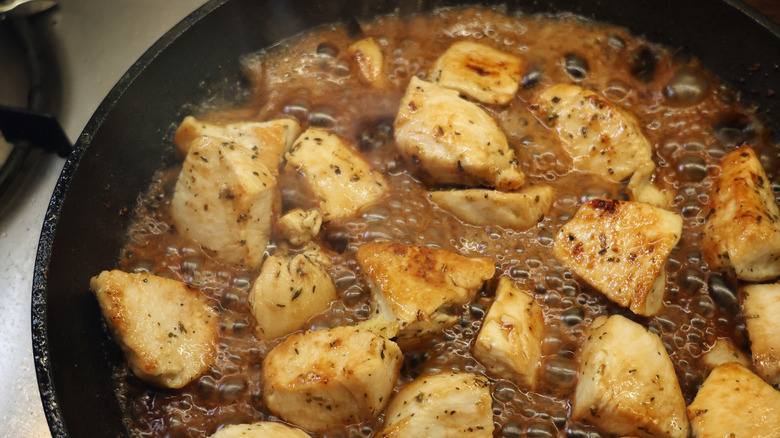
[[620, 248], [448, 404], [367, 54], [267, 140], [341, 179], [509, 343], [418, 282], [761, 307], [227, 200], [627, 383], [262, 429], [479, 71], [165, 327], [343, 375], [517, 210], [599, 136], [289, 290], [742, 229], [734, 402], [448, 140]]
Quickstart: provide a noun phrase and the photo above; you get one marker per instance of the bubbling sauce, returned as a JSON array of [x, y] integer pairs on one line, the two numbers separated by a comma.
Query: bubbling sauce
[[688, 115]]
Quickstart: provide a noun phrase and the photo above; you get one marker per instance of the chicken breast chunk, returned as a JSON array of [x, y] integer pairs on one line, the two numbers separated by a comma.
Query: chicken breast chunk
[[761, 306], [291, 289], [479, 71], [166, 328], [620, 248], [343, 375], [342, 180], [734, 402], [510, 341], [724, 351], [267, 140], [298, 226], [627, 384], [370, 62], [226, 200], [261, 429], [517, 210], [742, 229], [444, 405], [417, 290], [600, 137], [448, 140]]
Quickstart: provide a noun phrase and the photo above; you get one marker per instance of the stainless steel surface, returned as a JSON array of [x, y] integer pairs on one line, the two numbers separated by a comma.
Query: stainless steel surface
[[24, 8], [96, 42]]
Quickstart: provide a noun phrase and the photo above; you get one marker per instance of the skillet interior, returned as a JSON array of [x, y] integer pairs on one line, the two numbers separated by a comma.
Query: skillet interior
[[119, 151]]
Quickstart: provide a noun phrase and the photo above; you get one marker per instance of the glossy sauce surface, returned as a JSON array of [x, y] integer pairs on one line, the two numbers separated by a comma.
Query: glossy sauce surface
[[691, 119]]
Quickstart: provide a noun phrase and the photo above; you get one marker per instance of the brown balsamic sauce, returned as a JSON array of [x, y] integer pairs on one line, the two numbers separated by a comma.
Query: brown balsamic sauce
[[312, 79]]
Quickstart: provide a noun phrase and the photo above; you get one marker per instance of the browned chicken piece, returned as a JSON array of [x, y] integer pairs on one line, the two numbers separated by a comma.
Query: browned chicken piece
[[415, 288], [479, 71], [600, 137], [324, 378], [340, 178], [268, 141], [227, 200], [724, 351], [641, 188], [166, 328], [448, 140], [298, 226], [443, 405], [261, 429], [516, 210], [742, 229], [290, 289], [734, 402], [627, 383], [620, 248], [510, 340], [370, 62], [760, 308]]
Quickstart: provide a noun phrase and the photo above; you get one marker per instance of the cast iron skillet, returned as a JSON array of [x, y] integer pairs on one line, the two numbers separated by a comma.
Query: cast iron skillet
[[120, 149]]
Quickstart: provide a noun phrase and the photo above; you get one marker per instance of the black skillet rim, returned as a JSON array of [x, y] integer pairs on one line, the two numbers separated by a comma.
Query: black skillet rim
[[43, 366]]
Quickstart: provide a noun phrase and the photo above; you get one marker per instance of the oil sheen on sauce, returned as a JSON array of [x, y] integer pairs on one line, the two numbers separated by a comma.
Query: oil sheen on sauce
[[689, 116]]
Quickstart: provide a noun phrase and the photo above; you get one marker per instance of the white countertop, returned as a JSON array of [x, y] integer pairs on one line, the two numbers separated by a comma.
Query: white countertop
[[95, 41]]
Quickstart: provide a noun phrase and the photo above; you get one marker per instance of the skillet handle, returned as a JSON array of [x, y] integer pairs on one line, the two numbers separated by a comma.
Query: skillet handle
[[39, 129]]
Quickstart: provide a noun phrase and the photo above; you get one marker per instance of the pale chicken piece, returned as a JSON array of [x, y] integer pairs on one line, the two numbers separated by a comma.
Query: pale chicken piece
[[227, 201], [742, 228], [734, 402], [724, 351], [261, 429], [641, 188], [268, 141], [479, 71], [516, 210], [291, 289], [339, 376], [368, 56], [416, 289], [510, 341], [761, 307], [448, 140], [444, 405], [341, 179], [166, 328], [627, 383], [600, 137], [298, 226], [620, 248]]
